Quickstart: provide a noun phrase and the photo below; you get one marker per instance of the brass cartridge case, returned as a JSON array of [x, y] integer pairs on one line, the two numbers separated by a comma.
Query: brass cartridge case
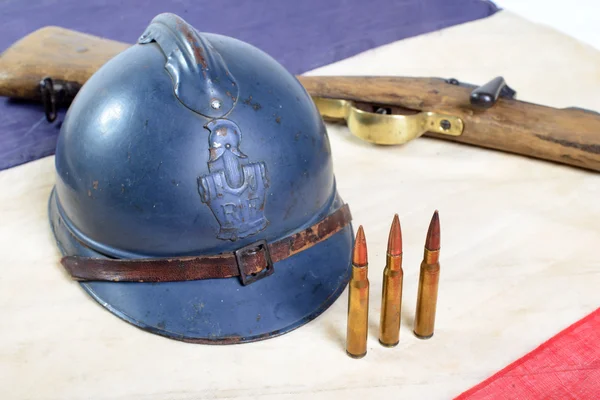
[[429, 277], [391, 295], [358, 300], [358, 313], [427, 295]]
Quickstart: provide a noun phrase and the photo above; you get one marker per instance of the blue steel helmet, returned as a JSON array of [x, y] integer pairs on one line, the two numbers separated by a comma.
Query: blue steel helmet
[[195, 196]]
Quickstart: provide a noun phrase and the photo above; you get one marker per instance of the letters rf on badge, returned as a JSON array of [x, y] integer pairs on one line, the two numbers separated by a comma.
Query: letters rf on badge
[[235, 190]]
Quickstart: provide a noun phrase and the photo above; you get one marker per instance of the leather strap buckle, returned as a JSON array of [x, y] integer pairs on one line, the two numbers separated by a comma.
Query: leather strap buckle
[[251, 250]]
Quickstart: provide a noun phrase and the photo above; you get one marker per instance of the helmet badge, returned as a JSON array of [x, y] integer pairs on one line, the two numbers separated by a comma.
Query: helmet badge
[[235, 189]]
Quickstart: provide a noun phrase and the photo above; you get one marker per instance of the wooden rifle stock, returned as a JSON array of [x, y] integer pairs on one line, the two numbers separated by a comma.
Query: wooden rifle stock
[[568, 136]]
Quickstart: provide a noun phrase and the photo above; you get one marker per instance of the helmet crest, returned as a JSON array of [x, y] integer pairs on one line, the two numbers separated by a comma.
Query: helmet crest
[[201, 79]]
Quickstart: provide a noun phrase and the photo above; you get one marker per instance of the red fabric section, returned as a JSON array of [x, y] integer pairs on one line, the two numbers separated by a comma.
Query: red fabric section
[[565, 367]]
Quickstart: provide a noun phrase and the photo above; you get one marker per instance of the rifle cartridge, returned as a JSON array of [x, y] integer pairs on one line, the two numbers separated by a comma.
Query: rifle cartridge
[[358, 300], [428, 282], [391, 296]]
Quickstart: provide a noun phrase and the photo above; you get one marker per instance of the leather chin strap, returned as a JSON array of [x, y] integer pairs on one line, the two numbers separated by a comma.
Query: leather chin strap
[[249, 263]]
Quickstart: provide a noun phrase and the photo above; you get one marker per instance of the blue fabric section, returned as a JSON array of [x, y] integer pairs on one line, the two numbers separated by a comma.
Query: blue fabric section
[[301, 35]]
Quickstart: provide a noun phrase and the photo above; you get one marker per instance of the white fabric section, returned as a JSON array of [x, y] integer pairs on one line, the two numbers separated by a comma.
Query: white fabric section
[[579, 19], [519, 260]]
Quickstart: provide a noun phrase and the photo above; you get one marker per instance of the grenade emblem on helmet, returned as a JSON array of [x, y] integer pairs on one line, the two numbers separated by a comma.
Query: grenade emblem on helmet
[[235, 189]]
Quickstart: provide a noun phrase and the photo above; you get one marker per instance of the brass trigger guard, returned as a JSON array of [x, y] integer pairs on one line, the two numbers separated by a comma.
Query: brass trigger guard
[[387, 129]]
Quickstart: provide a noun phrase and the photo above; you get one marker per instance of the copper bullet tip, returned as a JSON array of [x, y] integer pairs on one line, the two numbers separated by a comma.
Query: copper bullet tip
[[433, 234], [395, 238], [359, 256]]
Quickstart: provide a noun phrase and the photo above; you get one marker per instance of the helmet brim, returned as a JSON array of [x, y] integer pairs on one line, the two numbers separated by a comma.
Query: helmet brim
[[223, 311]]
